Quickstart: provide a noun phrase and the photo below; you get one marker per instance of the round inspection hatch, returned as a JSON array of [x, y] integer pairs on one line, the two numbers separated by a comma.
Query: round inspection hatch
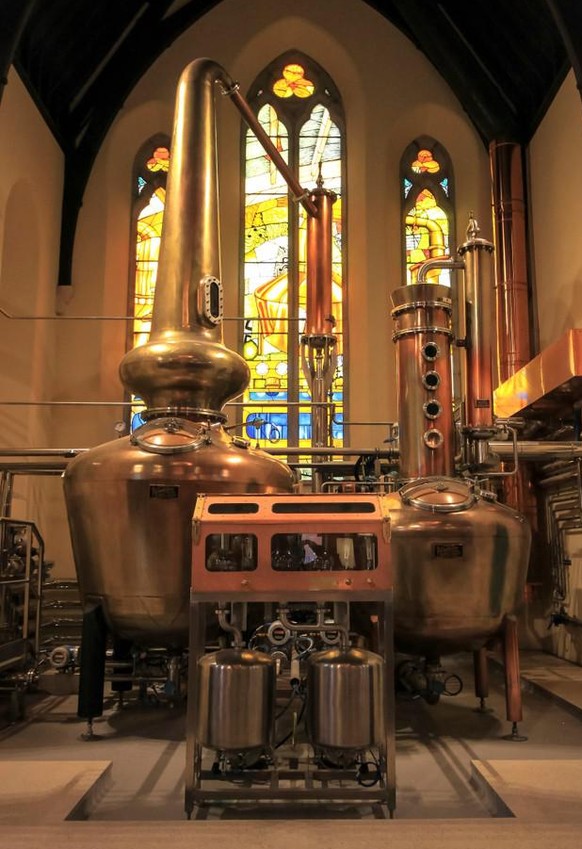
[[441, 495]]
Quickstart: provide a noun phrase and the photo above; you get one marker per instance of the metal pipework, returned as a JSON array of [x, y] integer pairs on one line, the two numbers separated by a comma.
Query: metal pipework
[[318, 343], [229, 627], [440, 262], [231, 89], [423, 321], [320, 626]]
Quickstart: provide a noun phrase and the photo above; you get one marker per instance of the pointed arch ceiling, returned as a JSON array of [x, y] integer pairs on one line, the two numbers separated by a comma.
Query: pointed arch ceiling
[[80, 60]]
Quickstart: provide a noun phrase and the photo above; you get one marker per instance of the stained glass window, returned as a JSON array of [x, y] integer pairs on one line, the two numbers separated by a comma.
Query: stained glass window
[[299, 107], [427, 206], [149, 195]]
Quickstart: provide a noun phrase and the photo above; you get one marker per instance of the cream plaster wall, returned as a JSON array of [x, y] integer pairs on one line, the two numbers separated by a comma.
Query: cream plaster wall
[[556, 189], [391, 94], [30, 209]]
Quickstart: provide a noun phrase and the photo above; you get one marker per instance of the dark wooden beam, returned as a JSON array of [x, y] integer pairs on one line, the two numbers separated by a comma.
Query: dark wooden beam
[[480, 97], [568, 17], [15, 15], [96, 111]]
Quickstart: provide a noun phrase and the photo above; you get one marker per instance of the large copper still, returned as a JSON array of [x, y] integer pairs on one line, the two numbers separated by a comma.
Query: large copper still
[[459, 557], [130, 501]]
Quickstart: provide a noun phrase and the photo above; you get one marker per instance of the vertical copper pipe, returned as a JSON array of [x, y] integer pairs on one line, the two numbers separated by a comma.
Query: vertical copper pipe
[[507, 185], [481, 674], [476, 253], [511, 670], [319, 319], [512, 290], [318, 343]]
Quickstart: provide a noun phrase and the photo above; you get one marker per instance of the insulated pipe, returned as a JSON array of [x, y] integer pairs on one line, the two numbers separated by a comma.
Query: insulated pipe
[[476, 253], [319, 318], [318, 344]]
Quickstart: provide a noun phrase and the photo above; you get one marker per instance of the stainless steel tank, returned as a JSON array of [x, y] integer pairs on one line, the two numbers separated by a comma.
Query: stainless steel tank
[[345, 700], [236, 700], [130, 501], [460, 563]]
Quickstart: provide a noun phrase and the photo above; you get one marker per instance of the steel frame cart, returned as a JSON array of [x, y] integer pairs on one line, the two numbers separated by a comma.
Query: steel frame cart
[[264, 516]]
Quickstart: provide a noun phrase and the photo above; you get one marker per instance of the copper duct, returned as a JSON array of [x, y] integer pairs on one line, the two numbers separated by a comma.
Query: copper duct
[[513, 337], [511, 287]]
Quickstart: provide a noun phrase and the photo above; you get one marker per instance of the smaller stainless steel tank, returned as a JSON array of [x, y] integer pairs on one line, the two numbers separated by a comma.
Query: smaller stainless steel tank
[[236, 700], [345, 699]]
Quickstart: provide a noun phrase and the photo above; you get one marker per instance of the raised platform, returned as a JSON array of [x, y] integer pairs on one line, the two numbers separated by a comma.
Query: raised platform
[[446, 834], [536, 790], [50, 791]]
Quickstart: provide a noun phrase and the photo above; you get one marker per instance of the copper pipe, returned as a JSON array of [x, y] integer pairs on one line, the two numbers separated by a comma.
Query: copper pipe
[[481, 673], [511, 290], [507, 184], [320, 320], [231, 89], [476, 253], [511, 670], [437, 262], [318, 343]]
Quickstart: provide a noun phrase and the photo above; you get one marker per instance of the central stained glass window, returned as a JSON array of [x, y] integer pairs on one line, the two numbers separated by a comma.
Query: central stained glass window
[[300, 109]]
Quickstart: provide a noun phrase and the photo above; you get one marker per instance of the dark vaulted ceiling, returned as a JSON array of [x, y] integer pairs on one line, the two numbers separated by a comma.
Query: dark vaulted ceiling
[[80, 59]]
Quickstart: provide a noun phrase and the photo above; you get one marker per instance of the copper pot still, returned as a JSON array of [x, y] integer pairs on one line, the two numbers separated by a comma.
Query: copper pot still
[[130, 501], [459, 557]]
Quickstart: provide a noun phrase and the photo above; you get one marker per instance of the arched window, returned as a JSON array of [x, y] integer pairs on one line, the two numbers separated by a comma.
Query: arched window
[[300, 108], [149, 195], [427, 207]]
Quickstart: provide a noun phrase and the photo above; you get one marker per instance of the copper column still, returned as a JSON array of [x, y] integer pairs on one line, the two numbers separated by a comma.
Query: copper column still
[[422, 315], [318, 342], [130, 501]]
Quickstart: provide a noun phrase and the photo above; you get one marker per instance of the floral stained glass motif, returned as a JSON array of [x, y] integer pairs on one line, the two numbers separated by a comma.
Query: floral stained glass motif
[[159, 160], [425, 163], [427, 208], [293, 83]]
